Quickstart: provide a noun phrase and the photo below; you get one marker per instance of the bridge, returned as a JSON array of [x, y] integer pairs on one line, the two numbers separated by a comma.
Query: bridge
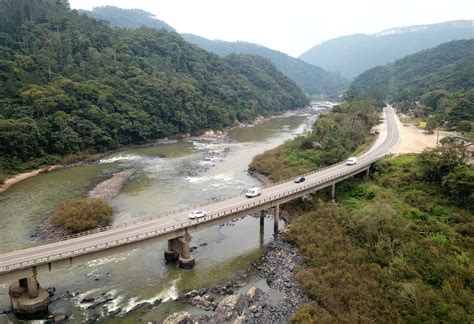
[[22, 266]]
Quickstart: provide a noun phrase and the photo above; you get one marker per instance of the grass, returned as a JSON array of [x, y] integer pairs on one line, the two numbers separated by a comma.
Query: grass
[[410, 120]]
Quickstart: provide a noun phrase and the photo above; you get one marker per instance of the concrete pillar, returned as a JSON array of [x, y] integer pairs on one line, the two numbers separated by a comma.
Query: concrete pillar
[[185, 260], [262, 218], [28, 299], [33, 287], [333, 193], [276, 219], [367, 173], [170, 254], [178, 250]]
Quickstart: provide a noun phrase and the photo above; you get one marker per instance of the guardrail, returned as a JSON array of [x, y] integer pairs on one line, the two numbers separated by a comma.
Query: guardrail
[[177, 211], [168, 229]]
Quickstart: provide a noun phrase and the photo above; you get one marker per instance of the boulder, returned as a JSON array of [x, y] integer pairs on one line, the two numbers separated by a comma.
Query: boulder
[[177, 318]]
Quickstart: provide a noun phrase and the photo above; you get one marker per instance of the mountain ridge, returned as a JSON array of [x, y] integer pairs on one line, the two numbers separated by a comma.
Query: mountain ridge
[[312, 79], [353, 54], [117, 17]]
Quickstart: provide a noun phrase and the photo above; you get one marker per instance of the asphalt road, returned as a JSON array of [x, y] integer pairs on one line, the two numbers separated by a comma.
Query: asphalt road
[[383, 145]]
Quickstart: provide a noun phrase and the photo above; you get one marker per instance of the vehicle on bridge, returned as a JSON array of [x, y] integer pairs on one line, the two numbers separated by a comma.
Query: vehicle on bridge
[[351, 161], [299, 179], [197, 214], [253, 192]]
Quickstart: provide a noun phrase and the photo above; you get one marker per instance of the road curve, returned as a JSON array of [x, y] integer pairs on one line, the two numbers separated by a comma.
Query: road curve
[[121, 234]]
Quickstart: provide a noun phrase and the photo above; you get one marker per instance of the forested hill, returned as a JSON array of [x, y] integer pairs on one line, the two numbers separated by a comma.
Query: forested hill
[[69, 83], [351, 55], [127, 18], [447, 67], [442, 78], [312, 79]]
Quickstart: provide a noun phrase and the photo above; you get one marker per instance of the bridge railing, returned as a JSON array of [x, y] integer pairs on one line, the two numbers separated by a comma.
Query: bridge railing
[[178, 211], [168, 229]]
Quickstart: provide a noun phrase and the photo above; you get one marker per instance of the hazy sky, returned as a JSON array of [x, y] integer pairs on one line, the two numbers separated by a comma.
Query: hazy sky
[[291, 26]]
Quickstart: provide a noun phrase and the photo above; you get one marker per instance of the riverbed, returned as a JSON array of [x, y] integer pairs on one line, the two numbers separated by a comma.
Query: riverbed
[[167, 177]]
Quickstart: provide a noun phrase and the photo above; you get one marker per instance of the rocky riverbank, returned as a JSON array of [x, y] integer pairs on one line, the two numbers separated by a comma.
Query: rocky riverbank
[[109, 188], [254, 305]]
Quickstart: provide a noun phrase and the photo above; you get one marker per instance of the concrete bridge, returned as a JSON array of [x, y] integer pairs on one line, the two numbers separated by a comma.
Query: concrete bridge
[[21, 267]]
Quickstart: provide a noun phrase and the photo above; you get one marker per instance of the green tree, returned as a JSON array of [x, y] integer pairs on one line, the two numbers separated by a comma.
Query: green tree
[[438, 162], [465, 126], [459, 185]]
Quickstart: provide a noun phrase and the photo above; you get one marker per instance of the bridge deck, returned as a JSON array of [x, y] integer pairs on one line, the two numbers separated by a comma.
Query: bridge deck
[[128, 233]]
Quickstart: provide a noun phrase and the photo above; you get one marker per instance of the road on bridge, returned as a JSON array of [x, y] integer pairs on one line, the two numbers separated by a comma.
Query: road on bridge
[[103, 240]]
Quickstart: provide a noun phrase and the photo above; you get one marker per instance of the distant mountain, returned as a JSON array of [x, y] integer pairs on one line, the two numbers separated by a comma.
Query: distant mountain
[[351, 55], [449, 67], [127, 18], [312, 79]]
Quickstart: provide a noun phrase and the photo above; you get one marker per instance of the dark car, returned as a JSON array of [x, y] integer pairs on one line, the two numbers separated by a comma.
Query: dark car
[[299, 179]]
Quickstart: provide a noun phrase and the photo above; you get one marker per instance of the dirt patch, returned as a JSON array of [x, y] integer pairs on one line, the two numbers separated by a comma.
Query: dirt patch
[[415, 140]]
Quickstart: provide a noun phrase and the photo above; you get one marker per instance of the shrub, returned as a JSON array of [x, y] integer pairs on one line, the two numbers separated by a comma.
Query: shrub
[[464, 126], [81, 214]]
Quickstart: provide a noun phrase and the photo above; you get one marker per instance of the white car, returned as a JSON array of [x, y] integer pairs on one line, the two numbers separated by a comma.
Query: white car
[[253, 192], [351, 161], [197, 214]]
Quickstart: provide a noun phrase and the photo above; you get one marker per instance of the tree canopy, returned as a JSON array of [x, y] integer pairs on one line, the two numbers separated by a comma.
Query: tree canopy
[[69, 83]]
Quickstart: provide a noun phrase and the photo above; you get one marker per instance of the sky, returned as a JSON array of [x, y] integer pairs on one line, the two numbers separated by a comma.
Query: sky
[[291, 26]]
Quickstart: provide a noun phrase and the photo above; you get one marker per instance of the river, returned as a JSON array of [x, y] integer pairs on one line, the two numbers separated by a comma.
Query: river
[[169, 176]]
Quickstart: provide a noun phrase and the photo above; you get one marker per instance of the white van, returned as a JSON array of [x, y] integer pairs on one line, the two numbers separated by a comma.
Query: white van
[[253, 192], [351, 161]]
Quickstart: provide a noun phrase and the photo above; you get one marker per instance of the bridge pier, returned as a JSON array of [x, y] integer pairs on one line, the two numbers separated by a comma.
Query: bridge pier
[[367, 173], [262, 218], [276, 219], [333, 193], [28, 299], [170, 254], [178, 250]]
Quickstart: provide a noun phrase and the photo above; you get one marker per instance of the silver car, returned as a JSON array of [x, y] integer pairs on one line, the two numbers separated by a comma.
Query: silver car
[[197, 214]]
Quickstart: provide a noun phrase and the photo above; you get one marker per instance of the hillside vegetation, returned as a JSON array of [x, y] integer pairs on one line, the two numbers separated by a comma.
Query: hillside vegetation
[[396, 248], [69, 84], [311, 78], [352, 55], [441, 79]]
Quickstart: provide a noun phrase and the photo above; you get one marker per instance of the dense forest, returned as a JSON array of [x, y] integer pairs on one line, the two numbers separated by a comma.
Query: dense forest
[[69, 84], [312, 79], [440, 80], [352, 55], [397, 247]]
